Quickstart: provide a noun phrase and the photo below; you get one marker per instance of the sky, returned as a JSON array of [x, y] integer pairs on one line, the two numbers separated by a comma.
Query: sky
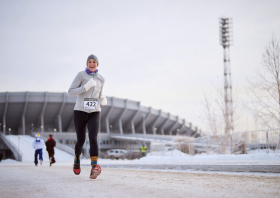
[[164, 53]]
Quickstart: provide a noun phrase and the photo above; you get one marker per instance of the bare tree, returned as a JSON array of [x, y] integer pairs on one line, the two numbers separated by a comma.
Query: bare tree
[[211, 116], [264, 90], [216, 118], [214, 111]]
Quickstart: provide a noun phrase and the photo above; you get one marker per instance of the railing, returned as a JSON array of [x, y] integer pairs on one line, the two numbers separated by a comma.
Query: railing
[[12, 147], [236, 143], [241, 142]]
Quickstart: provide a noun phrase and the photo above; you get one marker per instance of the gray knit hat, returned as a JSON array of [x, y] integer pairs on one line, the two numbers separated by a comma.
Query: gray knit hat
[[92, 57]]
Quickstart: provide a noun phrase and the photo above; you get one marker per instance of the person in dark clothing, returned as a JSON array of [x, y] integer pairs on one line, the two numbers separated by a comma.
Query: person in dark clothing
[[50, 144]]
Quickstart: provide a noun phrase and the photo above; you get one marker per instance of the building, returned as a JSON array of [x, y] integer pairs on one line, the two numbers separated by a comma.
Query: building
[[122, 120]]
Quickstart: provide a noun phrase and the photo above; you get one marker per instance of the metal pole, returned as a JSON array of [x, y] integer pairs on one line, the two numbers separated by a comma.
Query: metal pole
[[266, 141], [18, 146], [207, 146], [231, 143], [9, 137]]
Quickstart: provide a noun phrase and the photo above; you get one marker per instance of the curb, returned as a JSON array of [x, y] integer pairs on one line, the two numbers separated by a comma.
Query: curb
[[224, 168]]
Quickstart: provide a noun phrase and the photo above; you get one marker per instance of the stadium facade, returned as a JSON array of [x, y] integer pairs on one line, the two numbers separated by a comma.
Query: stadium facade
[[25, 112], [124, 123]]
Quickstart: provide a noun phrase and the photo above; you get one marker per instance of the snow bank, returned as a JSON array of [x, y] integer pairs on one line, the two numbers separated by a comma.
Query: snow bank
[[178, 156]]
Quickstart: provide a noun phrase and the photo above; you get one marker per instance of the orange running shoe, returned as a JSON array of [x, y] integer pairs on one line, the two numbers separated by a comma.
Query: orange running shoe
[[95, 171]]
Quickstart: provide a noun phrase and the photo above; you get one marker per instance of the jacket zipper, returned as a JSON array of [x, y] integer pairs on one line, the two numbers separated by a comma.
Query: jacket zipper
[[92, 89]]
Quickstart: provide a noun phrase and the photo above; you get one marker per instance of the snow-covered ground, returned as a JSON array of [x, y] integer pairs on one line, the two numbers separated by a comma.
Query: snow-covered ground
[[57, 181], [25, 146], [19, 179]]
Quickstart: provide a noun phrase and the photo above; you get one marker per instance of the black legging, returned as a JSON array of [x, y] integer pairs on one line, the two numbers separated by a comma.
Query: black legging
[[82, 119]]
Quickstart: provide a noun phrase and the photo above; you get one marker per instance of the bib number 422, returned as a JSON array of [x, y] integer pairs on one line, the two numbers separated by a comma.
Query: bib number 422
[[90, 103]]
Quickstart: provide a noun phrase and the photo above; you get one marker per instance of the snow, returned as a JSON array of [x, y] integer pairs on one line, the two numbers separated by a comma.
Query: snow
[[254, 156], [8, 161], [60, 181], [43, 181], [25, 146]]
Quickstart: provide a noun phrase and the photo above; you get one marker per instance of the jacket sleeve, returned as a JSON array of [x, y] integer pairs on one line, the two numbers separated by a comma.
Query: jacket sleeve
[[101, 91], [76, 88]]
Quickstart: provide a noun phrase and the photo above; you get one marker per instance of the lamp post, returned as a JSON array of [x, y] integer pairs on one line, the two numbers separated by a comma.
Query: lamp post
[[54, 130], [18, 146], [9, 136], [226, 41], [32, 127]]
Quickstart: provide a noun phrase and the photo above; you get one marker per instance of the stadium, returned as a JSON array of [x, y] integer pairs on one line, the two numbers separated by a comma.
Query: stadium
[[123, 124]]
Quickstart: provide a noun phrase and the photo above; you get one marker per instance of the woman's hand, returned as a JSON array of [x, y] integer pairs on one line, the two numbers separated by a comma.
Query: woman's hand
[[89, 84], [103, 100]]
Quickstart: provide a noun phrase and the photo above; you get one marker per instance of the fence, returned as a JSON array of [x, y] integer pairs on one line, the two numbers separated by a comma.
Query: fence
[[241, 142], [235, 143]]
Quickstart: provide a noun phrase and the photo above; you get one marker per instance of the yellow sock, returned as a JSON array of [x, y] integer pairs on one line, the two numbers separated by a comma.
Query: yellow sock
[[93, 160]]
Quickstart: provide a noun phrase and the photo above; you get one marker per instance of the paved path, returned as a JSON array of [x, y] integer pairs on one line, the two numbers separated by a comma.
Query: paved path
[[59, 181]]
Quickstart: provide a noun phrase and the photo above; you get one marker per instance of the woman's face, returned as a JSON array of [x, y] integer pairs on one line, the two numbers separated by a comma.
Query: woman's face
[[92, 65]]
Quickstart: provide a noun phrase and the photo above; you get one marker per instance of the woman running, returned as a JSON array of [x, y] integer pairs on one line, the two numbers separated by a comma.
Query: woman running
[[88, 86]]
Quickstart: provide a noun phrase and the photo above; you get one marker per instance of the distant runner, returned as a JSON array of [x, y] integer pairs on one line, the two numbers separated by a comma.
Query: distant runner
[[38, 144], [50, 144], [88, 86]]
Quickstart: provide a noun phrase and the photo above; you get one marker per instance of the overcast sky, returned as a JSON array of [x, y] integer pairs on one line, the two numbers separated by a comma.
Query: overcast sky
[[163, 53]]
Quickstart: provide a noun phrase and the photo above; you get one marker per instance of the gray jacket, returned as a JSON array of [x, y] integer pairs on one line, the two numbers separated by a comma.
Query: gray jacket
[[77, 89]]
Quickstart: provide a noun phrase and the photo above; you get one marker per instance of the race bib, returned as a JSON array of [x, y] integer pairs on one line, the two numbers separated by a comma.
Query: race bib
[[90, 103]]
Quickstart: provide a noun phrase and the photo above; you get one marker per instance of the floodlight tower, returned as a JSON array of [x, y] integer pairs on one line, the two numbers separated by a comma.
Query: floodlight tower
[[226, 41]]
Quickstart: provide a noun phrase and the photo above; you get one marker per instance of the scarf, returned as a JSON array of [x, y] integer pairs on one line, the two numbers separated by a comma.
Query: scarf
[[90, 72]]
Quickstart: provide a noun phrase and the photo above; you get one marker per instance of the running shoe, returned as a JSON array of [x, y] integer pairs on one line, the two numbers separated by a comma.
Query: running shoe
[[76, 167], [95, 171]]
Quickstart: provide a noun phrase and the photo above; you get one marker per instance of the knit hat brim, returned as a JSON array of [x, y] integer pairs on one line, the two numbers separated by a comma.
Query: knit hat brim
[[92, 57]]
